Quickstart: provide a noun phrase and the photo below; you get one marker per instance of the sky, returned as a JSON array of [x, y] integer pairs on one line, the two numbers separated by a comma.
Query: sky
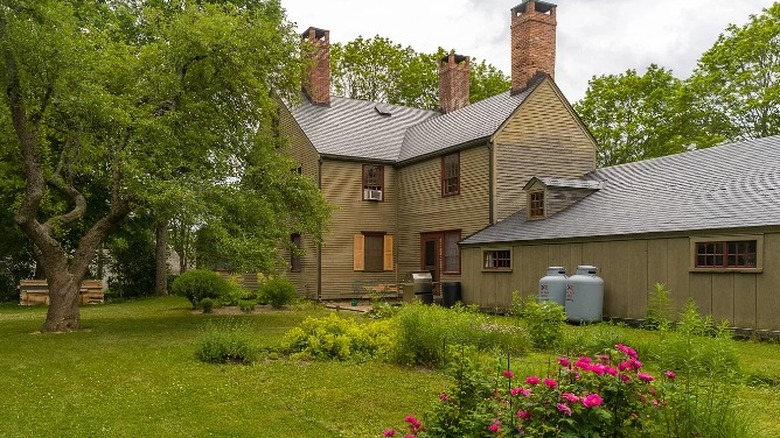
[[594, 37]]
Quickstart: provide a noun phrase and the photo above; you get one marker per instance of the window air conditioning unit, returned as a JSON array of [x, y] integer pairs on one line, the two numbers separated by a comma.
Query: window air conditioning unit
[[372, 195]]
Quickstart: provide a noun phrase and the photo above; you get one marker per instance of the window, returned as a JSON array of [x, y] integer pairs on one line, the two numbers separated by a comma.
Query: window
[[536, 204], [451, 252], [497, 260], [450, 174], [726, 254], [295, 253], [373, 178], [373, 252]]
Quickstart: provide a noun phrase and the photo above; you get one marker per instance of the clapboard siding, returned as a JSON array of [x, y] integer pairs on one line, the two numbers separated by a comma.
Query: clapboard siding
[[630, 268], [543, 138], [422, 208], [342, 186], [302, 152]]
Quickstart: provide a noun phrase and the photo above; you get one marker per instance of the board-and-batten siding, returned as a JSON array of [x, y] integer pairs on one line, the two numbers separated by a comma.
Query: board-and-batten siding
[[630, 268], [422, 208], [342, 186], [542, 139], [301, 151]]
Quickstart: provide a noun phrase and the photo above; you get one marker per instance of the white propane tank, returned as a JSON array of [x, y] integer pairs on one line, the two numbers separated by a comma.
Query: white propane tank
[[585, 295], [552, 287]]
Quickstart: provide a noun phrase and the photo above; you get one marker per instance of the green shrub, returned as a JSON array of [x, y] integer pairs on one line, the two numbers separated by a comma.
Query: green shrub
[[246, 305], [226, 341], [207, 304], [545, 321], [198, 284], [425, 333], [659, 309], [278, 292], [334, 337]]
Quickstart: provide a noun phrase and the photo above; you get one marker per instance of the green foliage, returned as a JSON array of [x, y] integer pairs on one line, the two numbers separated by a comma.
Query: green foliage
[[226, 341], [207, 305], [131, 260], [247, 305], [635, 117], [737, 82], [379, 70], [544, 321], [278, 292], [336, 338], [197, 284], [427, 333], [659, 308]]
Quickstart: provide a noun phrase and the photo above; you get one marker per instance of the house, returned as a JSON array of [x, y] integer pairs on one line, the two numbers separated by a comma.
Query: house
[[408, 184], [706, 223]]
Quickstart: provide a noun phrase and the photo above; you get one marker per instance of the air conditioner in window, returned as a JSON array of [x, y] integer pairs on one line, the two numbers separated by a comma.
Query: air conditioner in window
[[372, 195]]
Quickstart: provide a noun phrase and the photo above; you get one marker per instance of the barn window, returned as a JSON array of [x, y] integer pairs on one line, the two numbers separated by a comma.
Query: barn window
[[497, 260], [732, 253]]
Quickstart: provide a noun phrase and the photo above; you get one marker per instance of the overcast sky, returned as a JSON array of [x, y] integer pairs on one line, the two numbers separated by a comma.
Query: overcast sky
[[595, 37]]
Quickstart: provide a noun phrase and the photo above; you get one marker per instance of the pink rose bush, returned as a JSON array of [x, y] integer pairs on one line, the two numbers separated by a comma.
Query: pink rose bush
[[606, 395]]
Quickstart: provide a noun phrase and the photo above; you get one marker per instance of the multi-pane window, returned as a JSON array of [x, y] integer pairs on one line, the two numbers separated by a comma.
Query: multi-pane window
[[536, 204], [373, 177], [497, 259], [450, 174], [295, 254], [726, 254], [451, 252], [374, 252]]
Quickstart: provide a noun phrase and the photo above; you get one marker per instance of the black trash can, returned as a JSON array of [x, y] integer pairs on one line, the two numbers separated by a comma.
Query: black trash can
[[450, 293]]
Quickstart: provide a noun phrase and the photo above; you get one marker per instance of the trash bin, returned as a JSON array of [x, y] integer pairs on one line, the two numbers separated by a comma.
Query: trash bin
[[450, 292], [423, 286]]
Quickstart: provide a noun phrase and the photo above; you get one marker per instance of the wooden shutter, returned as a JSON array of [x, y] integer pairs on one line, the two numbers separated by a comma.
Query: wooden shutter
[[388, 256], [358, 253]]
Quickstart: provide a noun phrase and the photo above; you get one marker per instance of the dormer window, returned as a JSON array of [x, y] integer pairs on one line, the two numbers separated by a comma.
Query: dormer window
[[536, 205]]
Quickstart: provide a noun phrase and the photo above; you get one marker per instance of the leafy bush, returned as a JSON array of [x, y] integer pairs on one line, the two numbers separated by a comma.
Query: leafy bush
[[605, 395], [207, 304], [545, 321], [659, 309], [278, 292], [338, 338], [198, 284], [246, 305], [426, 332], [226, 341]]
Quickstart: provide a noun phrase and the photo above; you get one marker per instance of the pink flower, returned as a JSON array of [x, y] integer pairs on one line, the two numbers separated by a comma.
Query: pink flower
[[625, 377], [509, 374], [524, 392], [611, 371], [669, 374], [551, 383], [563, 407], [525, 415], [592, 400], [570, 397], [628, 351], [597, 368], [583, 362], [645, 377], [414, 423], [390, 432], [443, 396], [636, 364], [625, 366], [563, 361], [496, 426], [532, 380]]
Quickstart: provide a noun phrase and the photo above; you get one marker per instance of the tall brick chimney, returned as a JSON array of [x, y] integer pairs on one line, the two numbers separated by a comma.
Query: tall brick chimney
[[454, 85], [533, 42], [316, 78]]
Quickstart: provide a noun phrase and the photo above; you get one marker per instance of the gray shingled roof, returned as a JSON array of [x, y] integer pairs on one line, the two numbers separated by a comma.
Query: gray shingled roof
[[566, 183], [357, 129], [730, 186]]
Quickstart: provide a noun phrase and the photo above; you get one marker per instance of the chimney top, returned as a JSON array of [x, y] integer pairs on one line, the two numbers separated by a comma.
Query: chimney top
[[455, 57], [315, 33], [316, 77], [454, 86], [534, 5], [533, 42]]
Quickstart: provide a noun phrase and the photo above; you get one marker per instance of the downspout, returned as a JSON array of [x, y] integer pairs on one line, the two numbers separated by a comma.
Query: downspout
[[319, 245], [490, 182], [397, 239]]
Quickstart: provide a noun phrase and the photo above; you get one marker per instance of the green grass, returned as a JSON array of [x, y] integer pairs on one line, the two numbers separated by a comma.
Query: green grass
[[132, 372]]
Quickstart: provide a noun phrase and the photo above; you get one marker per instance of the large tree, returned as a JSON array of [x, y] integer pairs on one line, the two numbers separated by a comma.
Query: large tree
[[379, 70], [117, 106], [738, 79]]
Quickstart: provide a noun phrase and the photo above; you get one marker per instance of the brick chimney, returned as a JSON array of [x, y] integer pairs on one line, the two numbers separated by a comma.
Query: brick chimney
[[454, 85], [533, 42], [316, 78]]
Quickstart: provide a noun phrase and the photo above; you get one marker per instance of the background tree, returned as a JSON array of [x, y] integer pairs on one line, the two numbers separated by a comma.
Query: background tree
[[738, 79], [379, 70], [113, 103]]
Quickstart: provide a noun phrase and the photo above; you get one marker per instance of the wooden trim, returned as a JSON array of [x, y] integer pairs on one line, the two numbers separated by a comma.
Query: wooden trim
[[358, 252], [725, 238], [388, 252], [497, 269], [536, 211]]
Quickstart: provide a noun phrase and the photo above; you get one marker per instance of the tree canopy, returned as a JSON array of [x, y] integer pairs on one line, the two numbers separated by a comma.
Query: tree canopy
[[116, 108], [733, 94], [379, 70]]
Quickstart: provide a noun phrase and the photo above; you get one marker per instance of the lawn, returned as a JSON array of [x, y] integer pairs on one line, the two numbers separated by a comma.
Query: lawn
[[132, 372]]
